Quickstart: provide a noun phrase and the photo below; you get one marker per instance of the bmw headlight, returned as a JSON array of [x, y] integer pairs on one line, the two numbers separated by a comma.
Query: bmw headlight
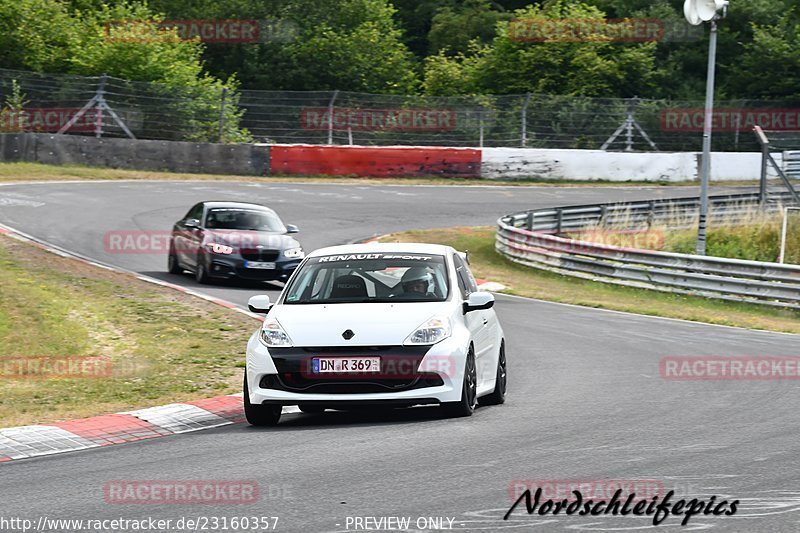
[[432, 331], [217, 248], [294, 253], [273, 335]]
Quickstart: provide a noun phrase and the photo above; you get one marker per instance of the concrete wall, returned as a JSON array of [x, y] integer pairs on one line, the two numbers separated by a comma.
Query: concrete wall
[[240, 159], [383, 161], [378, 161], [587, 165]]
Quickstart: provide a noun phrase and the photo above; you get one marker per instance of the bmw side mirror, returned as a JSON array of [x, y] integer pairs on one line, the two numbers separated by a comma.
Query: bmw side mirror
[[478, 301], [291, 228], [191, 223], [259, 304]]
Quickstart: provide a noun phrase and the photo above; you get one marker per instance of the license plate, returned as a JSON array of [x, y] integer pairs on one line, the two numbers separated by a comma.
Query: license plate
[[263, 265], [339, 365]]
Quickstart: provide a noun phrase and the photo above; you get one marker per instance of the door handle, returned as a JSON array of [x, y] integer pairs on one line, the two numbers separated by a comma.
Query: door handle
[[485, 321]]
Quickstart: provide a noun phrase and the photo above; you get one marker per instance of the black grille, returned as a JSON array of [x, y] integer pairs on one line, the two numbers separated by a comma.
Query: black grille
[[296, 382], [399, 372], [252, 254]]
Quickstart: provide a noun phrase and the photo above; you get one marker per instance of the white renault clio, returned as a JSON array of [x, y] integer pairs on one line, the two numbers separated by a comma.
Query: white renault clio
[[376, 324]]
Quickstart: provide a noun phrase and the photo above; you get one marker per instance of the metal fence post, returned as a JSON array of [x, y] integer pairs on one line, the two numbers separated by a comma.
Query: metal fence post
[[629, 125], [762, 185], [222, 112], [330, 116], [524, 127], [480, 125], [101, 90]]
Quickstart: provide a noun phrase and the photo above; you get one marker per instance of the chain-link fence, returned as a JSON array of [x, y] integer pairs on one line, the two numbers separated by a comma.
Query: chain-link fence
[[153, 111]]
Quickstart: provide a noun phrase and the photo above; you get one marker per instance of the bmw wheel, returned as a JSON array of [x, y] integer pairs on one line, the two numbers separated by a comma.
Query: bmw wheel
[[172, 262], [200, 273]]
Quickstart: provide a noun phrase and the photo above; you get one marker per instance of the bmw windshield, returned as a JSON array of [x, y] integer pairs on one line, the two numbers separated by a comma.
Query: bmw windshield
[[372, 277], [243, 220]]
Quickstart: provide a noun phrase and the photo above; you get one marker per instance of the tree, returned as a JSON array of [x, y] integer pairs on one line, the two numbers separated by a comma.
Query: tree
[[352, 45], [523, 59], [46, 37], [452, 30], [779, 75]]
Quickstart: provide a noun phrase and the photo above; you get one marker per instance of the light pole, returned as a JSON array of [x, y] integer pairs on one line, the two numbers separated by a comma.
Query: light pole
[[697, 12]]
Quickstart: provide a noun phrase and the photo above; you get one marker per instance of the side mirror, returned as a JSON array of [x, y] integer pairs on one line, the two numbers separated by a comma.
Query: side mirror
[[478, 301], [191, 223], [259, 304], [291, 228]]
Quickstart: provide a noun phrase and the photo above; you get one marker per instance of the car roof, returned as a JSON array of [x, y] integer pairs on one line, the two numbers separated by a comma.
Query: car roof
[[241, 205], [394, 247]]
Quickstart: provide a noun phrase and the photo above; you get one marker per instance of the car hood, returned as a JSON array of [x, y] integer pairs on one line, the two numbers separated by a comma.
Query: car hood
[[251, 239], [374, 324]]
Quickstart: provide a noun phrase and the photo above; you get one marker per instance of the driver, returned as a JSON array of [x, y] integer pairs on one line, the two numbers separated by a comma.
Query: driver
[[251, 221], [417, 280]]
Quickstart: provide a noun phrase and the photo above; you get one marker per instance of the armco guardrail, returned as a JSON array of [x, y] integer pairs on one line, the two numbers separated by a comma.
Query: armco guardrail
[[530, 238]]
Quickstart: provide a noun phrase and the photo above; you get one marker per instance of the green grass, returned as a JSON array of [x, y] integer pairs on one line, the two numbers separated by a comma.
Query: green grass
[[541, 284], [39, 172], [759, 240], [163, 346]]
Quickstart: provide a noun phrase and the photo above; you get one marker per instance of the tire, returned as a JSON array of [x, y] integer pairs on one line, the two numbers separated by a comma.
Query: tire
[[498, 396], [200, 273], [259, 415], [469, 391], [173, 266], [310, 409]]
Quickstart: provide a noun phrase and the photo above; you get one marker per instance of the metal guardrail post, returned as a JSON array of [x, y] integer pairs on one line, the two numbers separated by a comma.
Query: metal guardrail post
[[559, 219], [529, 221]]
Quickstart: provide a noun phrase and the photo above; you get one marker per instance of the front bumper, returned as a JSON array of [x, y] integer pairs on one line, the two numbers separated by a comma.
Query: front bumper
[[410, 375], [231, 266]]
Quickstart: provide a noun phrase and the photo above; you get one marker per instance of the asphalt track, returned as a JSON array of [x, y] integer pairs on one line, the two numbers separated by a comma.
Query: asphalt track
[[586, 400]]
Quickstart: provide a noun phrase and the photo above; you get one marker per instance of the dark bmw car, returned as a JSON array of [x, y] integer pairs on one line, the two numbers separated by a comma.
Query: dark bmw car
[[225, 240]]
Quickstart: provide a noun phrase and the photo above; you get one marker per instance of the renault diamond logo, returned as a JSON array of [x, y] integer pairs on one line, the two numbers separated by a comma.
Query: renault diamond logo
[[348, 334]]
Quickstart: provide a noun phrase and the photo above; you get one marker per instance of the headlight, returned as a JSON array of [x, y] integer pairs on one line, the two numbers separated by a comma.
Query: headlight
[[293, 253], [217, 248], [432, 331], [272, 334]]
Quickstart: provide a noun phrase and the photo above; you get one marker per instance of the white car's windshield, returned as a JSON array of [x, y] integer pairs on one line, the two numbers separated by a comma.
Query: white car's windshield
[[370, 277]]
